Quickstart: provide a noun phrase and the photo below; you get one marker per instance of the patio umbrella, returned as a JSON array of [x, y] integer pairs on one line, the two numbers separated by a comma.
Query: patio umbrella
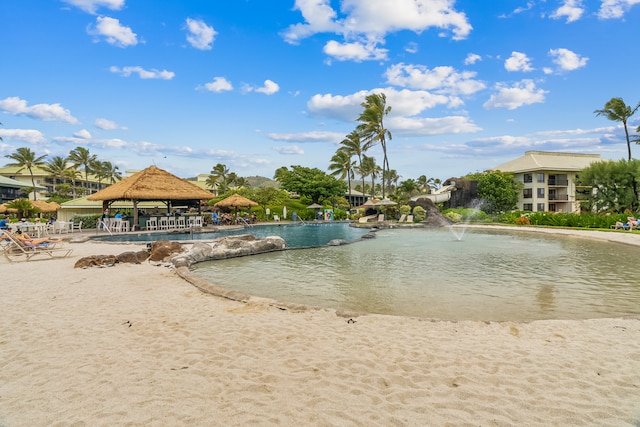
[[370, 202], [385, 202], [315, 206]]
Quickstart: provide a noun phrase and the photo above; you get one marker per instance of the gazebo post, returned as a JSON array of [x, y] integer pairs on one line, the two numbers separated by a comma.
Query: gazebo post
[[134, 226]]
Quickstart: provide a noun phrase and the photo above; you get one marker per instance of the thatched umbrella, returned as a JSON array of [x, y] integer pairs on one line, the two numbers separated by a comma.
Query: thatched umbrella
[[150, 184], [235, 201], [45, 206]]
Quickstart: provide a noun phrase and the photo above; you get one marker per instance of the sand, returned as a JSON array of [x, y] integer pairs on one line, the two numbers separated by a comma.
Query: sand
[[136, 345]]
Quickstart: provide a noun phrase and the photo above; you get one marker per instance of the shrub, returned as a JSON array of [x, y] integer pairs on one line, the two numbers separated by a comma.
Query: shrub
[[419, 214]]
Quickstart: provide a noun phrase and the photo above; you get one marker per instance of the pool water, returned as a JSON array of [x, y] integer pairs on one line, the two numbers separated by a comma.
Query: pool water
[[488, 275], [297, 235]]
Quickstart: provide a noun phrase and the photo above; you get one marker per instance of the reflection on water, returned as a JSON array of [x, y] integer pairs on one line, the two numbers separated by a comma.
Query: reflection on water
[[489, 275]]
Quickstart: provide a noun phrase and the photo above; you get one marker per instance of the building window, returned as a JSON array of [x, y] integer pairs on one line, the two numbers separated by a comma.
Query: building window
[[540, 193], [528, 177], [540, 207], [527, 193], [527, 207], [540, 177]]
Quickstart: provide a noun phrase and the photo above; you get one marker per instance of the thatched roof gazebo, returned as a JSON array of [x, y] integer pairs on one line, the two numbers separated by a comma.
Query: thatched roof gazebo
[[150, 184]]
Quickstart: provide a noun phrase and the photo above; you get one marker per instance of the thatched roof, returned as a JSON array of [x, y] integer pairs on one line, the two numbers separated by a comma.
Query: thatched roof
[[45, 206], [152, 183], [235, 201]]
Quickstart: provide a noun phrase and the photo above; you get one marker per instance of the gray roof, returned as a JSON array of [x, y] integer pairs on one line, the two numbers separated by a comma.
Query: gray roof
[[12, 183], [549, 161]]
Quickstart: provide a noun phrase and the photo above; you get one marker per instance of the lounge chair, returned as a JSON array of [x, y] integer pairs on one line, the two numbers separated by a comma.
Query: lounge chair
[[364, 219], [381, 218], [13, 247], [402, 218], [620, 225], [410, 218]]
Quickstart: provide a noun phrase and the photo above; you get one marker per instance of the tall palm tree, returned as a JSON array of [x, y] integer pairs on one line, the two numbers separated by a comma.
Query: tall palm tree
[[56, 167], [370, 168], [111, 172], [72, 175], [24, 158], [616, 110], [106, 170], [342, 167], [81, 156], [372, 127], [355, 147], [219, 177]]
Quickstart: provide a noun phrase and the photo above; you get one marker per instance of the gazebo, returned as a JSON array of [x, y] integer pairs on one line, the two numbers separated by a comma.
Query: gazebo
[[150, 184]]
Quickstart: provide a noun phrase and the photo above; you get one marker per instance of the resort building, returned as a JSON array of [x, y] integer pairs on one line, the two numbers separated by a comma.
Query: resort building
[[548, 180]]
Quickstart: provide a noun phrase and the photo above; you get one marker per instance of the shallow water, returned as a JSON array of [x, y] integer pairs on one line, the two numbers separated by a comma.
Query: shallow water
[[488, 275], [296, 235]]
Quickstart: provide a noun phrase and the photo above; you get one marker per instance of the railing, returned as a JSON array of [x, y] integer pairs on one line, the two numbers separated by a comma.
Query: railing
[[558, 197], [558, 182]]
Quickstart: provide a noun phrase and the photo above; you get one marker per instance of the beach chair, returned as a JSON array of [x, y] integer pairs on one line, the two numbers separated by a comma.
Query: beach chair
[[381, 218], [410, 218], [16, 249], [402, 218]]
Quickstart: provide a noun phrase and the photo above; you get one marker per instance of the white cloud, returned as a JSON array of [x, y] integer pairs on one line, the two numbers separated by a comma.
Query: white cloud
[[431, 125], [521, 93], [472, 58], [356, 51], [567, 60], [615, 8], [201, 36], [572, 9], [219, 84], [107, 124], [49, 112], [518, 61], [442, 79], [270, 87], [83, 134], [290, 150], [113, 32], [371, 21], [29, 136], [305, 137], [90, 6], [142, 73]]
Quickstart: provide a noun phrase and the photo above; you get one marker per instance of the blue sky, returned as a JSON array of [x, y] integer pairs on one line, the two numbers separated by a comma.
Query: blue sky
[[258, 84]]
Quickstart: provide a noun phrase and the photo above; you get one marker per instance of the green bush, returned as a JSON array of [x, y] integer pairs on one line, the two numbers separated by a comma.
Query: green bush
[[419, 214]]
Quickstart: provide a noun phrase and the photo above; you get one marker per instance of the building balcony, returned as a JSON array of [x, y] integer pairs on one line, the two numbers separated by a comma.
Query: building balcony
[[560, 197], [558, 182]]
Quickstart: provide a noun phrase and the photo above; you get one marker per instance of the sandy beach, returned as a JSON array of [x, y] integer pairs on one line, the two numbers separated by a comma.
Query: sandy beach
[[136, 345]]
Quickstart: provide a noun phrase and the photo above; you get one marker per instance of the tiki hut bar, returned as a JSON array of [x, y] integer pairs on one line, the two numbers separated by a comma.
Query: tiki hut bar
[[151, 184]]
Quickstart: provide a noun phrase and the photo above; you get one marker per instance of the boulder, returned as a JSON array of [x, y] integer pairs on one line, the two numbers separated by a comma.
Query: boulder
[[96, 261], [133, 257], [161, 250]]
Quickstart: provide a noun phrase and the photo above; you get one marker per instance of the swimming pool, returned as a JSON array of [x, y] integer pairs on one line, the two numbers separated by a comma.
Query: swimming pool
[[488, 275], [297, 235]]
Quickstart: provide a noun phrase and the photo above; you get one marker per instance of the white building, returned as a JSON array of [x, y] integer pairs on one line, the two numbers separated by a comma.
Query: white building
[[548, 179]]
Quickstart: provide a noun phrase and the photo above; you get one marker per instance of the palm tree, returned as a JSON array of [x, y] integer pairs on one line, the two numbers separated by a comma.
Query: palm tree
[[80, 156], [219, 177], [106, 170], [616, 110], [372, 128], [370, 168], [24, 158], [72, 175], [342, 167], [354, 146], [56, 167]]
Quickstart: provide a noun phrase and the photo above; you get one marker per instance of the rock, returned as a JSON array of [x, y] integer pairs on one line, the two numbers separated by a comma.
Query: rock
[[133, 257], [163, 249], [96, 261], [229, 247]]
